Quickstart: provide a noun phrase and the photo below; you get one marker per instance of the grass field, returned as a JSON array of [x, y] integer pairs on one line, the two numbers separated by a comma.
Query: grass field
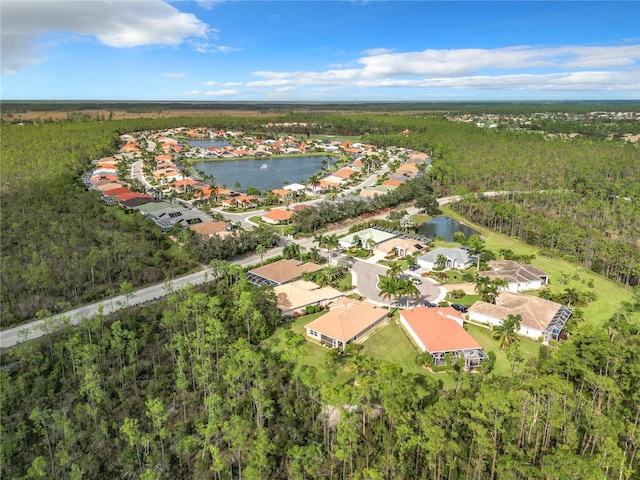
[[393, 345], [610, 294]]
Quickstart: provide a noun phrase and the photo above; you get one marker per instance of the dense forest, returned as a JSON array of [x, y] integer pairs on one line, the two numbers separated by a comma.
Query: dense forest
[[188, 388]]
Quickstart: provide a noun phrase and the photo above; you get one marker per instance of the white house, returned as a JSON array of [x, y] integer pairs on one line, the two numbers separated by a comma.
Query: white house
[[456, 257], [519, 277], [362, 237], [539, 317]]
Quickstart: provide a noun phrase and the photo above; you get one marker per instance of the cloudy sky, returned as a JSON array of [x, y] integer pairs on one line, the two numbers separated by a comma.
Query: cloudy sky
[[319, 50]]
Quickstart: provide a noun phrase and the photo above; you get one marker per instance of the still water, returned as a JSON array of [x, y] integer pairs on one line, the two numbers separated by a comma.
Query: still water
[[444, 227], [208, 143], [263, 174]]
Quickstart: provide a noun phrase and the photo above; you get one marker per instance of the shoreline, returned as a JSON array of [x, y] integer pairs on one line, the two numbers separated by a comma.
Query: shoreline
[[262, 157]]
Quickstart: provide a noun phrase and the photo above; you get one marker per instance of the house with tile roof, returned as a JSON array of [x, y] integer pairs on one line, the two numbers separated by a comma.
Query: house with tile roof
[[362, 237], [277, 216], [540, 318], [456, 257], [211, 229], [296, 296], [439, 332], [348, 320], [376, 190], [402, 246], [281, 271], [518, 277]]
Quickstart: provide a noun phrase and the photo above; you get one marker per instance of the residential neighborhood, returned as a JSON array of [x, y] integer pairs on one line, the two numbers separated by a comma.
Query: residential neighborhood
[[150, 174]]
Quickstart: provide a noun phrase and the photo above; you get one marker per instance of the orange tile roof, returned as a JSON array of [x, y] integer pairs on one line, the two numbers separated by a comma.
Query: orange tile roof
[[408, 167], [209, 228], [285, 270], [393, 183], [347, 318], [281, 192], [278, 215], [438, 330], [344, 173], [186, 181]]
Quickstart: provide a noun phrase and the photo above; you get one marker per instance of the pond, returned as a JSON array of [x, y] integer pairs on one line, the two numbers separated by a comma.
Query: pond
[[444, 227], [264, 173], [207, 143]]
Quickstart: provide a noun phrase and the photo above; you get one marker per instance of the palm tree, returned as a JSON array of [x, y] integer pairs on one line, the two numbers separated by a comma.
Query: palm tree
[[389, 288], [506, 333], [409, 289], [441, 261], [331, 242], [371, 243], [477, 248], [261, 250], [395, 270], [314, 181]]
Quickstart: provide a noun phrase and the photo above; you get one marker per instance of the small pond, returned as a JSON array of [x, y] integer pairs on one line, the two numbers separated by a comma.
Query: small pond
[[444, 227]]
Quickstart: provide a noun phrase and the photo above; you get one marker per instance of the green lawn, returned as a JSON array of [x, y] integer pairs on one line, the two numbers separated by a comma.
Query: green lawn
[[392, 344], [482, 335], [610, 294]]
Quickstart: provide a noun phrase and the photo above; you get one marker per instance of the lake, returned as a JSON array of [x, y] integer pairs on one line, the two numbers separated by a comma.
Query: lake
[[264, 173], [444, 227], [208, 143]]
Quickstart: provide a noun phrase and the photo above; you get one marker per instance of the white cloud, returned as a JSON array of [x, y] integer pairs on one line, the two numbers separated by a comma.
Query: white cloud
[[222, 93], [210, 83], [377, 51], [467, 61], [208, 4], [116, 24], [208, 47], [521, 67], [174, 75]]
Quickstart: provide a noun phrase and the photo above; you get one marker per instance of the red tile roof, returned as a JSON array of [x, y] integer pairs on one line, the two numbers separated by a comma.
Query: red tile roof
[[438, 330], [278, 215]]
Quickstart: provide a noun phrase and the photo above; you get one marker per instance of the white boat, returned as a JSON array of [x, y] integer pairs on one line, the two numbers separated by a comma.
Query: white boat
[[263, 166]]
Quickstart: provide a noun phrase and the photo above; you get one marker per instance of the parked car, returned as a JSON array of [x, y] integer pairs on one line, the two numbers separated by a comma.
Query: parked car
[[460, 308], [417, 281], [414, 267], [430, 305]]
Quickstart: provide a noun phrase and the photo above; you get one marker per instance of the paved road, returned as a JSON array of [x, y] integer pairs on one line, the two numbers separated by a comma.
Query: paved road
[[366, 275], [38, 328]]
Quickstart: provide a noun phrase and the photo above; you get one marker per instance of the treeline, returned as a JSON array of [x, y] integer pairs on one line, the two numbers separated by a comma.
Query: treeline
[[185, 389], [315, 218], [603, 234]]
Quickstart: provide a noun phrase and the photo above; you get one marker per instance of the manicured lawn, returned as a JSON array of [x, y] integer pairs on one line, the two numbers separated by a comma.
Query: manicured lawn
[[610, 294], [312, 354], [482, 335], [392, 344]]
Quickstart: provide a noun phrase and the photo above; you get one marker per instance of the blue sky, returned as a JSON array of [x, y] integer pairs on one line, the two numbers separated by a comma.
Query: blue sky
[[319, 50]]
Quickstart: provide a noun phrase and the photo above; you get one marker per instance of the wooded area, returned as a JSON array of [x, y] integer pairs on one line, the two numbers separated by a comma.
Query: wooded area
[[185, 389]]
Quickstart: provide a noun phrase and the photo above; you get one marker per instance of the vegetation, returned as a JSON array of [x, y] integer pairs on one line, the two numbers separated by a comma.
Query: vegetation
[[188, 388], [210, 384]]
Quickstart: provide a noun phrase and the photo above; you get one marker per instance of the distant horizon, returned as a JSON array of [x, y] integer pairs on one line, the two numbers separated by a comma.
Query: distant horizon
[[319, 51], [321, 102]]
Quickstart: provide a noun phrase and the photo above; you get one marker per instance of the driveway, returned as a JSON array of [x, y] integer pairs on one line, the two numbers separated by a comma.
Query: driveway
[[366, 278]]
